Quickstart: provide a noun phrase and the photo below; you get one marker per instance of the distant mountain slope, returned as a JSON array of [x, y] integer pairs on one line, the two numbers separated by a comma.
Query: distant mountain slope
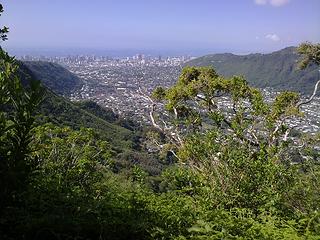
[[54, 76], [278, 69], [104, 113]]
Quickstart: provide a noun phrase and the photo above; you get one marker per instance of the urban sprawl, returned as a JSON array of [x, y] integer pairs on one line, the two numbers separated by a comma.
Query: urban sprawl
[[122, 84]]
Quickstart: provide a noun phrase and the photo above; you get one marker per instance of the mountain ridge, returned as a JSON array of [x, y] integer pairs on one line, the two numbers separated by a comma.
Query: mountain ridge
[[278, 70]]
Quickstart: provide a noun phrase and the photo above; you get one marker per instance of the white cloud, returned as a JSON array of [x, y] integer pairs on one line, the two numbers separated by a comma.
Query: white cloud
[[273, 37], [274, 3]]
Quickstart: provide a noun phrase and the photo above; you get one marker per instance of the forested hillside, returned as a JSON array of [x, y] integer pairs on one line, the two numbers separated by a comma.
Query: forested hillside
[[54, 76], [278, 70]]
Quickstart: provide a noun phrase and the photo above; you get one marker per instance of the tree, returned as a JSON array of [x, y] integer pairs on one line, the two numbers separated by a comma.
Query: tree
[[238, 146], [196, 100], [224, 130], [310, 55], [4, 30], [17, 109]]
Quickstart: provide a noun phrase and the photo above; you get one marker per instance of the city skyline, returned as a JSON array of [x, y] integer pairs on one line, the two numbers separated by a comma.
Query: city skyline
[[159, 27]]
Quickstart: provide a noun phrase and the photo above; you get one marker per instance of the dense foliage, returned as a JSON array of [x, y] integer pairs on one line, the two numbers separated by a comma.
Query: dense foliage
[[311, 54], [243, 156]]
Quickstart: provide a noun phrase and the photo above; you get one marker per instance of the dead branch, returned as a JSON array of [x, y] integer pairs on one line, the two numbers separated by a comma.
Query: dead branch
[[311, 97]]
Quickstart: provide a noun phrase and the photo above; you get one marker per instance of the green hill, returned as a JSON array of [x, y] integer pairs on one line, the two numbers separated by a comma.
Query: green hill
[[278, 70], [54, 76]]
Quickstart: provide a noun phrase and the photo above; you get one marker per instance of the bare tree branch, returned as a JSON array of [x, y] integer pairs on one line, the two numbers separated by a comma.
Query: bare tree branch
[[170, 133], [311, 97], [153, 120]]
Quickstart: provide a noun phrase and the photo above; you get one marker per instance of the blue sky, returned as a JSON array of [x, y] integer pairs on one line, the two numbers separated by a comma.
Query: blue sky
[[185, 26]]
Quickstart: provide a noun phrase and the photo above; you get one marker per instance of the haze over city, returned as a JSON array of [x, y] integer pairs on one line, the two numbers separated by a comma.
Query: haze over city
[[159, 27]]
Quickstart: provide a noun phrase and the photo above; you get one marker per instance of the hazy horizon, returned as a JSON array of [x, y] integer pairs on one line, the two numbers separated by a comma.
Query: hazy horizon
[[40, 27], [63, 52]]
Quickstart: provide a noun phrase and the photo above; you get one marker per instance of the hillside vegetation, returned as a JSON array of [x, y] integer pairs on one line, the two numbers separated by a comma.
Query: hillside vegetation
[[278, 70], [54, 76]]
